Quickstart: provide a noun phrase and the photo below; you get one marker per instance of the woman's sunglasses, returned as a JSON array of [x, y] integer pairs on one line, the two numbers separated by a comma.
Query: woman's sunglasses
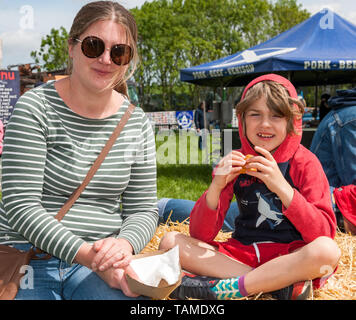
[[94, 47]]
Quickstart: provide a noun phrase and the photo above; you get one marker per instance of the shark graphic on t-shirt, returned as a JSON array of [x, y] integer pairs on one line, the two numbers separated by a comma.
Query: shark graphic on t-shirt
[[268, 212]]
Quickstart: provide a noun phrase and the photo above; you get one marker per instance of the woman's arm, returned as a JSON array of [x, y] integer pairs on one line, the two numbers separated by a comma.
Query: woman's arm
[[139, 204], [139, 200], [24, 160]]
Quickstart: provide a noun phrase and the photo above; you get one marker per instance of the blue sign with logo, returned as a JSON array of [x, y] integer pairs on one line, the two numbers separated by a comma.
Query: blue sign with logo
[[184, 119], [9, 93]]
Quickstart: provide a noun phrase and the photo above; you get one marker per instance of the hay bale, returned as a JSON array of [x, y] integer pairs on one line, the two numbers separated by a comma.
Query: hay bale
[[340, 286]]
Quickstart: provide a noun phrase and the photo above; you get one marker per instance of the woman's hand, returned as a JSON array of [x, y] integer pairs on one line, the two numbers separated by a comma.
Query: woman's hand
[[111, 252], [269, 172], [115, 278]]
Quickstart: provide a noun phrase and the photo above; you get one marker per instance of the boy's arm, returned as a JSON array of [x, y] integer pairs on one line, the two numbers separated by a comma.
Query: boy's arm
[[208, 214], [310, 210], [308, 205], [205, 222]]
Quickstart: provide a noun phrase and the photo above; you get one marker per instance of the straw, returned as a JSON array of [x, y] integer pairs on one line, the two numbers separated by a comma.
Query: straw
[[340, 286]]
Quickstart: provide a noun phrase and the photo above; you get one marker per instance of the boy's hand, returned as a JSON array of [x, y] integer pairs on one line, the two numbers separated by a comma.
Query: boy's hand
[[228, 169], [269, 172]]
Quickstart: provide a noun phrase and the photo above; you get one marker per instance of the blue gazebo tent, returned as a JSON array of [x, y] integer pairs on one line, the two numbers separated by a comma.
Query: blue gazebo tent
[[319, 51]]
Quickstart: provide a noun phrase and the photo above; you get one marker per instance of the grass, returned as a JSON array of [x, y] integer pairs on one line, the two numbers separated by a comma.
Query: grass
[[183, 181], [183, 171]]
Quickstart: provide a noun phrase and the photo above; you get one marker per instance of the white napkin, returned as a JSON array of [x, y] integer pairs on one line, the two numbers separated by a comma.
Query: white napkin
[[151, 270]]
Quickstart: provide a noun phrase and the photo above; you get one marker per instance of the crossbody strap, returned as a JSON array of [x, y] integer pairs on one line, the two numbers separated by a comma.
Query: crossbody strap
[[75, 195]]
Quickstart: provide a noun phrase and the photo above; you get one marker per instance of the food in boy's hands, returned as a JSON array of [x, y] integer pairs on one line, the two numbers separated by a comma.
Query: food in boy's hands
[[244, 170]]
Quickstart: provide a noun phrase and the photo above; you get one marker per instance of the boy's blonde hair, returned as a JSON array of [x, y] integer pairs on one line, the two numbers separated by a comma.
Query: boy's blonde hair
[[278, 101]]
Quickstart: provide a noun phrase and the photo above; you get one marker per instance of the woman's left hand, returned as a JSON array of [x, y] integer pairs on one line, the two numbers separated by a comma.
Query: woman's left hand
[[111, 252], [269, 172], [116, 278]]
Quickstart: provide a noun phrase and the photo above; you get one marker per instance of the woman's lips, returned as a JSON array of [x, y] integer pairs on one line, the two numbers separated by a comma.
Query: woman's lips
[[101, 72]]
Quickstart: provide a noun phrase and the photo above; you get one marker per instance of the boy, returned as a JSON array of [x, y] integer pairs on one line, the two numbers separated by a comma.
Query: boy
[[283, 234]]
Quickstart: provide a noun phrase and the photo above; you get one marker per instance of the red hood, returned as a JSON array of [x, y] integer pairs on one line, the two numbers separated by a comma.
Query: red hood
[[289, 146]]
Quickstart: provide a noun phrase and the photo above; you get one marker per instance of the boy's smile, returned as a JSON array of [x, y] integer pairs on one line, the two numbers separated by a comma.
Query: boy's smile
[[263, 127]]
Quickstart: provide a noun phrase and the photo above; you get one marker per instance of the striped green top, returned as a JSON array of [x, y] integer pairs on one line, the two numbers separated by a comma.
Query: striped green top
[[48, 150]]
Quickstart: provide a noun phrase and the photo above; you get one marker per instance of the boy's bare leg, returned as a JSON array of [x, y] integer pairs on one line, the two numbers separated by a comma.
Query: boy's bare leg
[[317, 259], [314, 260], [201, 258]]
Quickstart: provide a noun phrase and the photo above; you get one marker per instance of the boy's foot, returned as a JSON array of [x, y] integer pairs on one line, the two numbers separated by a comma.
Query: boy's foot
[[196, 287], [296, 291]]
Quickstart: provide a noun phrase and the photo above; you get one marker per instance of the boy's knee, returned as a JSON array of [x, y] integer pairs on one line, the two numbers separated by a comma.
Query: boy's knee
[[324, 251], [169, 240]]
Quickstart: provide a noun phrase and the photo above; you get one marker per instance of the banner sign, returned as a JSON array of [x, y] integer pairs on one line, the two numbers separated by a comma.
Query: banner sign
[[184, 119], [9, 93]]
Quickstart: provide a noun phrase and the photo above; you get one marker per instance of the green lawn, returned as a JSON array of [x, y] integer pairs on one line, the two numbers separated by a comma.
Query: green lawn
[[182, 181], [183, 171]]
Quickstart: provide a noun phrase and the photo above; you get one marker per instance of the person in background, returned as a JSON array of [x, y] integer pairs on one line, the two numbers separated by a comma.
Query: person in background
[[324, 107], [334, 143], [284, 232], [199, 121], [54, 135]]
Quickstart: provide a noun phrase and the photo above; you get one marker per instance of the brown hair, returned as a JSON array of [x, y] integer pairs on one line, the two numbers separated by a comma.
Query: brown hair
[[278, 101], [107, 10]]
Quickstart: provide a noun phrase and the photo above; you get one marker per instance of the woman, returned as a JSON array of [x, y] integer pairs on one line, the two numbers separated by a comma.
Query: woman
[[55, 134]]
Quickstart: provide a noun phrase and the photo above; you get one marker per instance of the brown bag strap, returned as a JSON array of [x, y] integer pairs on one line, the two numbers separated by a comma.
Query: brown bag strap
[[75, 195]]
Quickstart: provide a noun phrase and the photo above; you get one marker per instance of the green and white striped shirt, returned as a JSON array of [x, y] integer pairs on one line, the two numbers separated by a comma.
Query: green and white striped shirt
[[48, 150]]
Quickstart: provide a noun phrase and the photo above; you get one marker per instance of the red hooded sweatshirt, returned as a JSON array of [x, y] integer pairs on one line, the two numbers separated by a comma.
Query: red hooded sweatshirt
[[262, 216]]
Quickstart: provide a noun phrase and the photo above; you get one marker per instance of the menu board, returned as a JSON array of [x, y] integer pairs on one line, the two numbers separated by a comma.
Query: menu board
[[9, 93]]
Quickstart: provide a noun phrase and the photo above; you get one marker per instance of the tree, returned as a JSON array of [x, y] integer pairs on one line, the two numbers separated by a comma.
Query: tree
[[286, 14], [53, 53], [162, 40], [177, 34], [173, 35]]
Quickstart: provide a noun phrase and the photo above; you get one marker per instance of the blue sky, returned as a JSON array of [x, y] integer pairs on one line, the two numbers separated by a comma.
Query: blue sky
[[24, 22]]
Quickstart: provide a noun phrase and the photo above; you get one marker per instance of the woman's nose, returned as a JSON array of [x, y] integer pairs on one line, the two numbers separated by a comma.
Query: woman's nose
[[105, 57]]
